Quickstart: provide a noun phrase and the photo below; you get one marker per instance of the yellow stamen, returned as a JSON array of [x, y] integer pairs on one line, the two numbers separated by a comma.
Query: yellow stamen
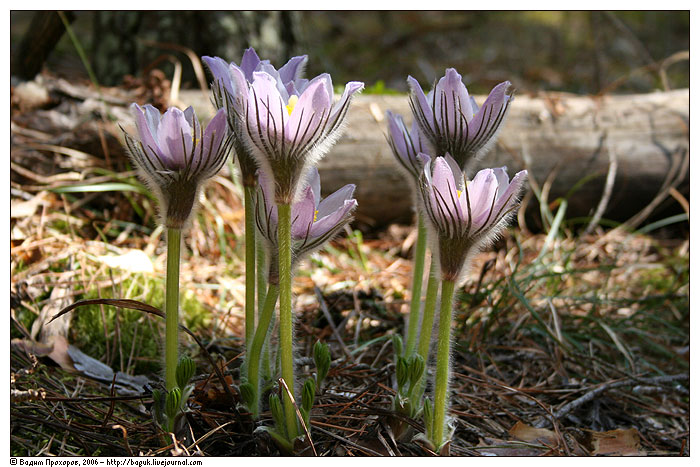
[[292, 103], [315, 215]]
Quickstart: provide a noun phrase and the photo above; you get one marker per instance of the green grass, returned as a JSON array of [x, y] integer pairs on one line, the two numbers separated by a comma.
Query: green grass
[[97, 330]]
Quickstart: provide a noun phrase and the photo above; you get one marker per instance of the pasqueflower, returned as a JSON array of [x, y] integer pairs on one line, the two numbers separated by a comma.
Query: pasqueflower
[[452, 121], [466, 215], [290, 127], [406, 145], [175, 156], [230, 90], [314, 220]]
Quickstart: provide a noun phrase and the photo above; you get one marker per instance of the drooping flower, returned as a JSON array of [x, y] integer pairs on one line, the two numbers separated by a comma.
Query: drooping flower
[[406, 145], [314, 220], [453, 122], [175, 156], [466, 215], [230, 91], [288, 128]]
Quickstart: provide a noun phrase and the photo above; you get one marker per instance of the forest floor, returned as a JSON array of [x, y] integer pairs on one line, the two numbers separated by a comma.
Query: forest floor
[[564, 343]]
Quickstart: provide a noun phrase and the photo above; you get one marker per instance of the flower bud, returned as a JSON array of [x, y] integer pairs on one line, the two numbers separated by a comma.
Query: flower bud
[[322, 360], [172, 403], [185, 371]]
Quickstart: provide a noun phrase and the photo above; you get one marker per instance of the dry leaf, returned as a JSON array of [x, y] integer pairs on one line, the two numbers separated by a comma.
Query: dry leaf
[[531, 434], [20, 209], [500, 448], [55, 347], [620, 442]]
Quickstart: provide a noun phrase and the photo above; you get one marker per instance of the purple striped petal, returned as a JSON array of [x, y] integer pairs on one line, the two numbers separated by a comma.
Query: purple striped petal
[[147, 130], [452, 101], [303, 213], [249, 63], [490, 112], [175, 138], [418, 97], [293, 69], [509, 196], [482, 195], [350, 89], [313, 106], [327, 223], [266, 108], [335, 201]]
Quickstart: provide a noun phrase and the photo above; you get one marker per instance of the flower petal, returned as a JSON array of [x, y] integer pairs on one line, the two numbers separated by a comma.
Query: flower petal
[[452, 104], [293, 69], [303, 213], [509, 197], [341, 106], [314, 181], [175, 138], [310, 110], [249, 63], [146, 128], [419, 103], [489, 118], [329, 222], [482, 192], [335, 201], [267, 110], [219, 70]]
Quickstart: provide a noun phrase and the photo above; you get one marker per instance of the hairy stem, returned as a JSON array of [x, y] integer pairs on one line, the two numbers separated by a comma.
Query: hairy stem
[[172, 298], [260, 271], [442, 371], [256, 347], [286, 342], [249, 193], [426, 331], [416, 287]]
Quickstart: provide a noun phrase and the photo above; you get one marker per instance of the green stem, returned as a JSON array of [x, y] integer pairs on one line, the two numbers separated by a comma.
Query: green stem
[[260, 269], [248, 194], [258, 341], [442, 371], [416, 287], [426, 331], [172, 295], [286, 342]]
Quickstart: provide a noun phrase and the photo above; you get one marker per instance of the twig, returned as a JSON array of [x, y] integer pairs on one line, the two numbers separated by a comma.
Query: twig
[[347, 441], [678, 169], [329, 318], [657, 380], [283, 383], [607, 190]]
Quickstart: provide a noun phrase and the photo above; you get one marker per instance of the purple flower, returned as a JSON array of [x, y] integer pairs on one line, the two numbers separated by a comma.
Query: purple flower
[[230, 79], [288, 128], [466, 215], [406, 145], [230, 90], [175, 156], [314, 220], [451, 120]]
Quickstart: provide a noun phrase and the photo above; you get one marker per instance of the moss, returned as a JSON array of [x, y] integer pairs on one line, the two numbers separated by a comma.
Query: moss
[[95, 330]]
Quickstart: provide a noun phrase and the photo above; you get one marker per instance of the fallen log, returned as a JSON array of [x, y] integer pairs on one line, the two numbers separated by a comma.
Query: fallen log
[[630, 151], [567, 142], [562, 139]]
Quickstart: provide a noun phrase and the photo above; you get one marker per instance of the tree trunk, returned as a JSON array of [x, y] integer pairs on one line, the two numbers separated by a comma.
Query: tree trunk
[[44, 32]]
